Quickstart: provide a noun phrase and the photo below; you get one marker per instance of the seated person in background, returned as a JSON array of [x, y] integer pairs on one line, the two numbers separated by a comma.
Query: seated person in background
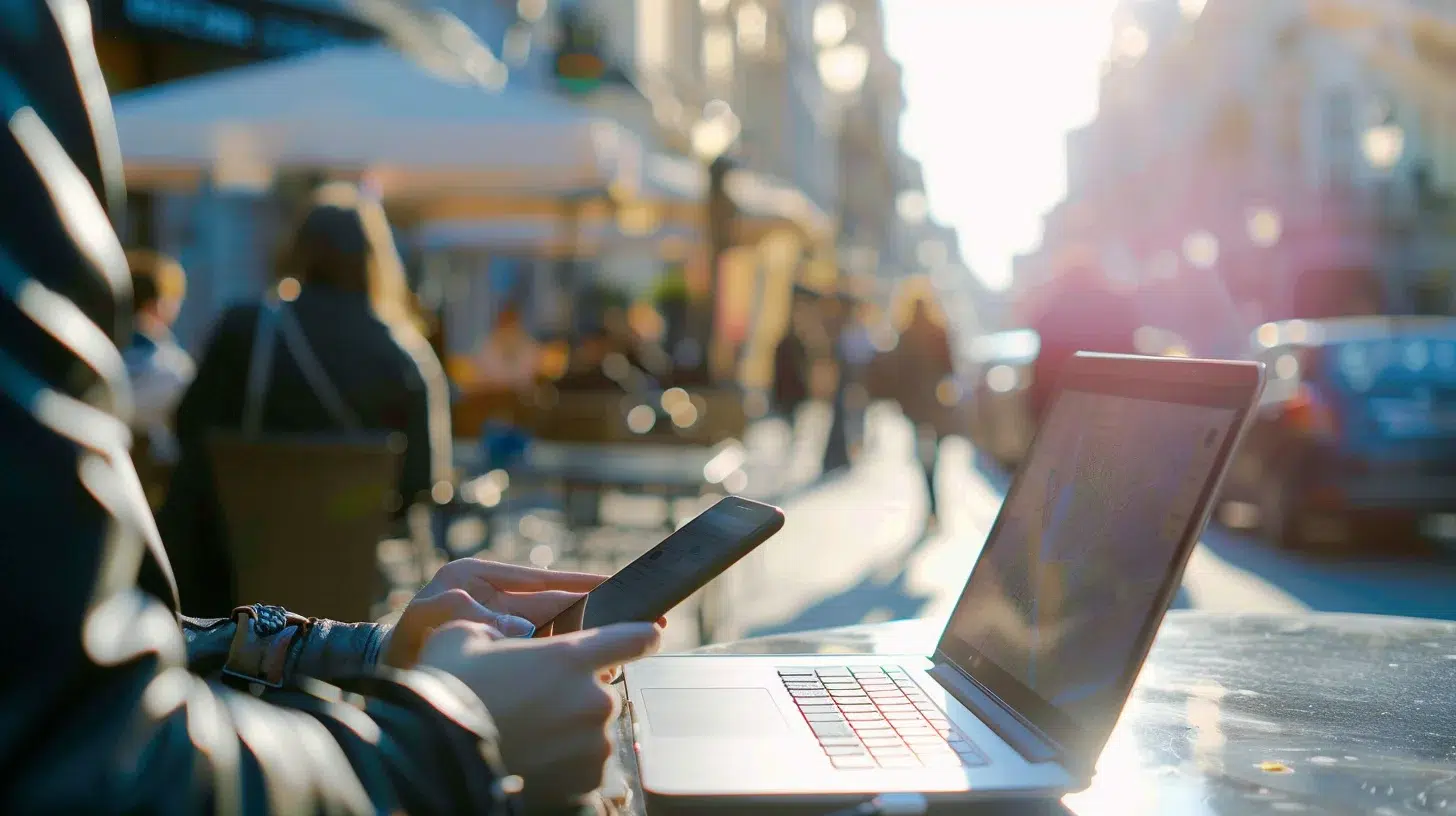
[[510, 358], [158, 368], [361, 365], [114, 701], [588, 368]]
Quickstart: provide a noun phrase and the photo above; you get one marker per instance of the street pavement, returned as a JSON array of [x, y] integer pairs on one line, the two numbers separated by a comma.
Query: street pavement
[[853, 551], [854, 548]]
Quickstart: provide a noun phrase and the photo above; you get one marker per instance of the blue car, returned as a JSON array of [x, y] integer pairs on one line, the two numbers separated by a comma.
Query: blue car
[[1355, 441]]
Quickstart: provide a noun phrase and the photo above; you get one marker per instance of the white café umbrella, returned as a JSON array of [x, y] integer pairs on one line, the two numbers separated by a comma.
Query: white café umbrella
[[368, 109]]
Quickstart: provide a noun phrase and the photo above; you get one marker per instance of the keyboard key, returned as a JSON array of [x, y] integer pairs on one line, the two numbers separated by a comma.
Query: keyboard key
[[833, 672], [844, 750], [859, 670], [808, 694], [818, 709], [803, 687], [850, 708], [899, 762], [862, 716], [909, 716], [852, 762], [832, 729], [834, 717], [881, 742], [912, 729], [872, 733], [973, 760], [838, 741], [925, 739], [900, 708], [786, 672], [833, 683]]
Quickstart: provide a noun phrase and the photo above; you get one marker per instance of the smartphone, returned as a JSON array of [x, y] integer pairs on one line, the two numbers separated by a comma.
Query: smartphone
[[683, 563]]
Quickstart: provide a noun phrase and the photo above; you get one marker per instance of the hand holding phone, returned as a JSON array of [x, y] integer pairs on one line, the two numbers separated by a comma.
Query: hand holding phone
[[680, 565]]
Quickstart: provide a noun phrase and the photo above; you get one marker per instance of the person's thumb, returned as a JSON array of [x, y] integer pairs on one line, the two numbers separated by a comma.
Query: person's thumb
[[612, 645], [448, 642], [425, 615]]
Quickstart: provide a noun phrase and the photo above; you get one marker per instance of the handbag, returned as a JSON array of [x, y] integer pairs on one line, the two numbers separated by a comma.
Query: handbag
[[275, 319]]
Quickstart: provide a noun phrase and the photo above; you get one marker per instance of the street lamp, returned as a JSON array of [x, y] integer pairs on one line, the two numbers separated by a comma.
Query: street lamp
[[1201, 250], [1383, 145], [1264, 226], [843, 68]]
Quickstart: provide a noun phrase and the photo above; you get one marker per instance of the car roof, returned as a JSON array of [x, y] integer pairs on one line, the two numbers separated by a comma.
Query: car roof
[[1351, 329]]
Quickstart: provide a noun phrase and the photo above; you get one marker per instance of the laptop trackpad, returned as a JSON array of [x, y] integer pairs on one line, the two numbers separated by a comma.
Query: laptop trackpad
[[712, 712]]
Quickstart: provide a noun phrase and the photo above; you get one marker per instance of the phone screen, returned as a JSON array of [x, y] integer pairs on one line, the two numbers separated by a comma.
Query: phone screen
[[682, 563]]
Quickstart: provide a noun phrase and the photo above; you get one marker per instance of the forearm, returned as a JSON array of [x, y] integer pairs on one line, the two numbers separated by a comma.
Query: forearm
[[329, 650]]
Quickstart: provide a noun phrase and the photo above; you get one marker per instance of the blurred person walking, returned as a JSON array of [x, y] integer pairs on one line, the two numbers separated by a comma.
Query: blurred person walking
[[918, 374], [791, 360], [159, 369], [1082, 313], [349, 357], [116, 701]]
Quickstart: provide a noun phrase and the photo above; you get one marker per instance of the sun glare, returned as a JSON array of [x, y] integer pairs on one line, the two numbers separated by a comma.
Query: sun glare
[[992, 87]]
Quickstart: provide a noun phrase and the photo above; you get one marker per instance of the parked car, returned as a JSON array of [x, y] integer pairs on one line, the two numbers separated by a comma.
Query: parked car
[[996, 372], [1356, 432]]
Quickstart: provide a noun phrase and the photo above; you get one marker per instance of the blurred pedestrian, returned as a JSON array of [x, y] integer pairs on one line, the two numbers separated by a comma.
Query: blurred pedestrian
[[853, 351], [349, 357], [159, 369], [791, 360], [920, 375], [1083, 313]]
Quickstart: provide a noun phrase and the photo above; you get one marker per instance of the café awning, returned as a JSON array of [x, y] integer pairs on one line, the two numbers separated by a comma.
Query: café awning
[[367, 111]]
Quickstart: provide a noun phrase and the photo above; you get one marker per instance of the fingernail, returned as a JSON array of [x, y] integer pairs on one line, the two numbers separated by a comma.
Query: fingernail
[[515, 627]]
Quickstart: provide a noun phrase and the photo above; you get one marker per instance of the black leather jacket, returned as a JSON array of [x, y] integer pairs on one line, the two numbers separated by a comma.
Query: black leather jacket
[[99, 710]]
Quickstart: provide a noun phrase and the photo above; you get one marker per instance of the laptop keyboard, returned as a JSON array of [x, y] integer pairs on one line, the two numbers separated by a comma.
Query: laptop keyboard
[[874, 717]]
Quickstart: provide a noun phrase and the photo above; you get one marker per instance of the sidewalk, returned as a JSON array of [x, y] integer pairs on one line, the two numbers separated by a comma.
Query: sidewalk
[[854, 549]]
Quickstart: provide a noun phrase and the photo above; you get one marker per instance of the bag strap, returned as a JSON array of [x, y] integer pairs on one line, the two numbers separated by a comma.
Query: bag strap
[[313, 372], [260, 368]]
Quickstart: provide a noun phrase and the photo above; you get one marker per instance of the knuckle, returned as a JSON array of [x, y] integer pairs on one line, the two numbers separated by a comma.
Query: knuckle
[[602, 703]]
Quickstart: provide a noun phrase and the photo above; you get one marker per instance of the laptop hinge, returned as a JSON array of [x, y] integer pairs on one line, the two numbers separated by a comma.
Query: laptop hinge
[[1032, 744]]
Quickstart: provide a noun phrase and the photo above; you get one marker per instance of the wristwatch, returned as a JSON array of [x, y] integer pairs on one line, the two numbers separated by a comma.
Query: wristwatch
[[264, 644]]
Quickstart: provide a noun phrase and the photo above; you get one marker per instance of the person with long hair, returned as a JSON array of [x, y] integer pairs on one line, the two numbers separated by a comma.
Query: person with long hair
[[342, 285], [920, 367]]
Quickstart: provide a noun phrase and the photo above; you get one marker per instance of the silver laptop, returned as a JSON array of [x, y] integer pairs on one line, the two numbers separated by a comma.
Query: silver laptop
[[1036, 661]]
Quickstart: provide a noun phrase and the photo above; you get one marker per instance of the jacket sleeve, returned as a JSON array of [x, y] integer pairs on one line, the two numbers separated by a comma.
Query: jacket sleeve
[[98, 711]]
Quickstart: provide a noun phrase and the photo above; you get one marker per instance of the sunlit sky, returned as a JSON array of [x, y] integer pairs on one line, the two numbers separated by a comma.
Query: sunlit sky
[[992, 87]]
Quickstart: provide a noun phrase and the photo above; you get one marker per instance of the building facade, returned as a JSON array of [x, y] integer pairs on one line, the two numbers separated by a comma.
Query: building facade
[[1296, 156]]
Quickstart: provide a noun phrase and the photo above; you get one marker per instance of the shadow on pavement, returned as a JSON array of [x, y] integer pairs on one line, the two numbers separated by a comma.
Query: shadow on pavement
[[878, 597], [1371, 581]]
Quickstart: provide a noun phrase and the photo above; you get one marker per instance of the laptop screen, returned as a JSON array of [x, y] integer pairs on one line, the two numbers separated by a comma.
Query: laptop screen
[[1081, 554]]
